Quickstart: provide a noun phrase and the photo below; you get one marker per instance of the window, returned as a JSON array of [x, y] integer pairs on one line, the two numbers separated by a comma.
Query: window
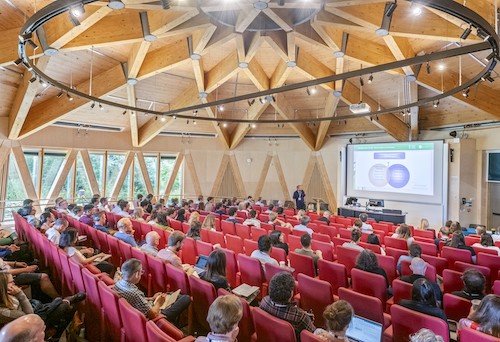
[[125, 189], [152, 166], [67, 190], [97, 160], [52, 162], [139, 183], [33, 162], [83, 190], [114, 167], [15, 190], [166, 168]]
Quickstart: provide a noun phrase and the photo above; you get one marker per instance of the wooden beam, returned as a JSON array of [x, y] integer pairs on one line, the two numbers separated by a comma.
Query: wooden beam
[[245, 18], [285, 26], [237, 175], [136, 57], [221, 36], [8, 46], [24, 174], [334, 41], [62, 174], [254, 112], [89, 171], [222, 134], [202, 37], [281, 177], [247, 45], [144, 171], [192, 171], [330, 108], [122, 175], [173, 175], [312, 68], [24, 99], [49, 111], [257, 75], [278, 41], [4, 151], [327, 184], [134, 129], [285, 109], [280, 75], [199, 74], [263, 176], [401, 49], [164, 58], [220, 175], [308, 173], [222, 72]]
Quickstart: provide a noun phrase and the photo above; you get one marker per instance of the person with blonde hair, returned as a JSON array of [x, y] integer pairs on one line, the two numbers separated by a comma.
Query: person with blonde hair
[[425, 335], [138, 214], [273, 219], [223, 317], [404, 232], [195, 216], [424, 224], [337, 318], [209, 222]]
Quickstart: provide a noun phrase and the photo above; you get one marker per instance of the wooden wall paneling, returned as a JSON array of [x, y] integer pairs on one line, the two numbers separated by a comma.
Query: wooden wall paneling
[[281, 177], [237, 176], [144, 171], [220, 174], [61, 176], [327, 185], [175, 171], [123, 174], [263, 176], [89, 171], [192, 171]]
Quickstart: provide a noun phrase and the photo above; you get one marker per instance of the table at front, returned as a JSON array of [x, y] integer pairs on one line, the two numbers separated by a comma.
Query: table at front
[[375, 215]]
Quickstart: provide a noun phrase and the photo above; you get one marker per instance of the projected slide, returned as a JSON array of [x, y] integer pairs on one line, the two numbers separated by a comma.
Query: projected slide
[[401, 167]]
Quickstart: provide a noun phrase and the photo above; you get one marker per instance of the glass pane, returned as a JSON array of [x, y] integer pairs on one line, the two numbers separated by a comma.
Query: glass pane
[[15, 190], [177, 188], [51, 164], [97, 160], [152, 166], [166, 167], [139, 184], [83, 190], [115, 164], [66, 190], [125, 190], [33, 162]]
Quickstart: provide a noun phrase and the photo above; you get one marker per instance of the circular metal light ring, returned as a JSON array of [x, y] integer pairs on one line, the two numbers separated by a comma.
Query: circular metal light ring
[[447, 6]]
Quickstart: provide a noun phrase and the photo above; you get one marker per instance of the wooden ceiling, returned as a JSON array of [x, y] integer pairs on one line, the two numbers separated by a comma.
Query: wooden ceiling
[[169, 78]]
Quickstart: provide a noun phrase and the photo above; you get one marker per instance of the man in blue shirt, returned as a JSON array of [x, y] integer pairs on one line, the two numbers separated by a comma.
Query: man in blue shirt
[[100, 222], [299, 196], [304, 221], [232, 213], [125, 232]]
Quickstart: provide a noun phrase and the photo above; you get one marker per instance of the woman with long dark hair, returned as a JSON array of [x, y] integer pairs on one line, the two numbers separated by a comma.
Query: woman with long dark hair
[[216, 270], [367, 261], [485, 318], [458, 241], [423, 299]]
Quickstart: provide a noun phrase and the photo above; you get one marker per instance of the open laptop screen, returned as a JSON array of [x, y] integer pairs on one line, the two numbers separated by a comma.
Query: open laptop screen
[[363, 330], [202, 262]]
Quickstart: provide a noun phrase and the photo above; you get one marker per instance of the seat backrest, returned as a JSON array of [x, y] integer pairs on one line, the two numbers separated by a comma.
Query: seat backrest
[[176, 225], [325, 247], [374, 248], [347, 257], [267, 226], [406, 322], [93, 319], [370, 284], [228, 227], [462, 266], [330, 230], [270, 328], [429, 234], [456, 307], [484, 250], [470, 335], [401, 290], [103, 241], [246, 321], [251, 270], [257, 233], [231, 267], [452, 281], [496, 287], [76, 274], [396, 243], [111, 313], [345, 233], [315, 295], [203, 294], [294, 242], [365, 306], [204, 248], [114, 250], [278, 253], [388, 263], [189, 251], [250, 246], [158, 274], [430, 273], [321, 237], [271, 270], [161, 232], [470, 240], [125, 250], [455, 254], [440, 264], [155, 334], [215, 237], [133, 332], [491, 261], [302, 264], [243, 231], [428, 248], [177, 279], [234, 243], [145, 278], [334, 273], [307, 336]]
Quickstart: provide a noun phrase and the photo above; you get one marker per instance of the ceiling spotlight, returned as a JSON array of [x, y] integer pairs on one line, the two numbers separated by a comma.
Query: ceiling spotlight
[[70, 98], [262, 100], [124, 112], [18, 61], [465, 93], [33, 79], [487, 77], [417, 10], [60, 94], [224, 124], [370, 79], [194, 122], [187, 121], [313, 90], [251, 102], [435, 104], [428, 68], [92, 105], [221, 108], [174, 116], [254, 126], [361, 82], [44, 84], [195, 112], [441, 66], [156, 118], [101, 107], [489, 57], [165, 4], [116, 4], [77, 11], [163, 119], [466, 33]]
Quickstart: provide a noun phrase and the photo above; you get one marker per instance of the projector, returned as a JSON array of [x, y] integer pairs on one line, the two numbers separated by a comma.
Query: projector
[[360, 108]]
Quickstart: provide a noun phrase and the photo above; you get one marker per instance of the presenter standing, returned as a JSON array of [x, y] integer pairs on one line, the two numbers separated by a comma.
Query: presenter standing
[[298, 196]]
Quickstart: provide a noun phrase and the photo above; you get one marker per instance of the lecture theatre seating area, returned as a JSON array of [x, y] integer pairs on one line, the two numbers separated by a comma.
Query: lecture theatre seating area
[[109, 318]]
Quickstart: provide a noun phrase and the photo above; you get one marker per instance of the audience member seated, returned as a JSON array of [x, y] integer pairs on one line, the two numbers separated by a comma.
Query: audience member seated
[[88, 211], [278, 240], [223, 317], [474, 283], [232, 215], [28, 328], [28, 212], [138, 214], [373, 240], [304, 221], [76, 212], [194, 231], [444, 233], [305, 241], [47, 220], [54, 233], [194, 217], [151, 244], [425, 335], [418, 267], [62, 206], [210, 205], [261, 203], [279, 304], [355, 238], [171, 253], [270, 208], [161, 221], [337, 317], [209, 222], [326, 217], [273, 219], [125, 232], [367, 261], [103, 204], [124, 208], [264, 244], [152, 218], [9, 237], [68, 242], [100, 222], [150, 307], [458, 241], [244, 207], [300, 214], [215, 272], [181, 215], [356, 224], [424, 224], [414, 251], [365, 227], [423, 299], [486, 318], [487, 242], [14, 304], [116, 208], [252, 221], [404, 232], [137, 202], [218, 208]]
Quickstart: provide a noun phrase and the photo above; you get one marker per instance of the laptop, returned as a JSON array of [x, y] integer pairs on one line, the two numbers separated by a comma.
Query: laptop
[[201, 264], [363, 330]]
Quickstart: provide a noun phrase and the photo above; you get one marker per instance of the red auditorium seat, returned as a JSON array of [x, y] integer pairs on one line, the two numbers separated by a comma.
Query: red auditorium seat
[[374, 248], [235, 243], [456, 307], [155, 334], [215, 237], [440, 264], [496, 287], [189, 252], [370, 284], [125, 250], [491, 261], [462, 266], [76, 274], [110, 312], [163, 238], [243, 231], [345, 233], [366, 306], [347, 257], [177, 279], [103, 242], [470, 335], [158, 274], [315, 295], [302, 264], [396, 243], [484, 250], [428, 248], [246, 322], [114, 250], [203, 294], [231, 268], [228, 227], [400, 290], [430, 273], [388, 263], [334, 273], [93, 318], [294, 242], [321, 237], [278, 253], [454, 254], [251, 271], [132, 332], [204, 248], [307, 336], [250, 246], [428, 234], [271, 270], [269, 328], [452, 281], [325, 247]]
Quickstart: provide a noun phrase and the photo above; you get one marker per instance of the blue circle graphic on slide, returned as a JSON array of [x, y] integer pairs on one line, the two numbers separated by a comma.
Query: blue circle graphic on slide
[[398, 175], [378, 175]]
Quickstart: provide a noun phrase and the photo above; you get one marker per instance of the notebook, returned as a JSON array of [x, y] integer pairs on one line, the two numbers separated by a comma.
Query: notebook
[[363, 330], [169, 300], [201, 264]]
